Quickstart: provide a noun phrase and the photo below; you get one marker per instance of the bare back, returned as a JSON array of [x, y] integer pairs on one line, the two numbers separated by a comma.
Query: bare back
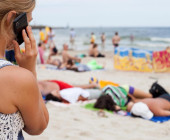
[[156, 105], [65, 56], [116, 39], [47, 86], [93, 51]]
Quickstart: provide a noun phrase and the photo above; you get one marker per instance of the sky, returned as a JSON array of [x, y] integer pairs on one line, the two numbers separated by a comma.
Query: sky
[[102, 13]]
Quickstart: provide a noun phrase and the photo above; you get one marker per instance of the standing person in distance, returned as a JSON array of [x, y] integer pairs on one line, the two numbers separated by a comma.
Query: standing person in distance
[[72, 38], [116, 40], [93, 38], [103, 38], [42, 36], [51, 36]]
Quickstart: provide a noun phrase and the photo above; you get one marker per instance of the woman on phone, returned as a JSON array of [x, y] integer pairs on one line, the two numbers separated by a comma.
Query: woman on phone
[[21, 104]]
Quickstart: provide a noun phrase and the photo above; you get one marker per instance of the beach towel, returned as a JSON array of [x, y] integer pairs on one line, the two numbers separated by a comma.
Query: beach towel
[[93, 65], [155, 119], [49, 66], [103, 83], [80, 67]]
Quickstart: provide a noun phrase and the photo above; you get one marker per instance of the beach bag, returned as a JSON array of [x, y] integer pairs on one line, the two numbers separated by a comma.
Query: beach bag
[[156, 90]]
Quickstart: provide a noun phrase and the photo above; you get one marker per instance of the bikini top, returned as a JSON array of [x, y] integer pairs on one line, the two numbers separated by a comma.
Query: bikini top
[[10, 124]]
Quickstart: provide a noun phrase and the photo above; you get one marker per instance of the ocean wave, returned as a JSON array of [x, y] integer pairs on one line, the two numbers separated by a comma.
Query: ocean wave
[[154, 39], [149, 44], [160, 39]]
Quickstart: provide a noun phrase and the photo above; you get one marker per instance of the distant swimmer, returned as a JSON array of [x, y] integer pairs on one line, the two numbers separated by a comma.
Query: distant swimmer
[[103, 38], [93, 38], [116, 40], [131, 38]]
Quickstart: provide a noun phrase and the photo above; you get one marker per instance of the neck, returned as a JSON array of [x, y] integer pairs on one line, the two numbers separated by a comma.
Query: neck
[[2, 47]]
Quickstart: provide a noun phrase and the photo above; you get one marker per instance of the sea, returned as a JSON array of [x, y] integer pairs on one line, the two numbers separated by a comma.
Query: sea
[[146, 38]]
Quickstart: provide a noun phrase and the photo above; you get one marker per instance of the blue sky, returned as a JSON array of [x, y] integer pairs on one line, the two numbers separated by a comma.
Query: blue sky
[[102, 13]]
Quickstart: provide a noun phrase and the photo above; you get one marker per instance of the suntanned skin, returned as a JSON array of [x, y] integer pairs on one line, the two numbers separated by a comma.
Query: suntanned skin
[[46, 87], [93, 51], [66, 56], [19, 88], [116, 39], [158, 106]]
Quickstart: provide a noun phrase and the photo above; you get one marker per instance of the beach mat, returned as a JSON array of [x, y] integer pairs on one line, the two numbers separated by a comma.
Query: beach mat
[[155, 119], [52, 67]]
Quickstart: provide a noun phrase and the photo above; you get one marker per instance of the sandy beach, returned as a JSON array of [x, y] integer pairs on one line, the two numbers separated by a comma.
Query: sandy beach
[[73, 122]]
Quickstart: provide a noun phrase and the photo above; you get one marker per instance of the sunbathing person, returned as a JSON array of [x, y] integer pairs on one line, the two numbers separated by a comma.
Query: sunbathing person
[[58, 91], [57, 62], [66, 56], [77, 67], [53, 51], [70, 95], [93, 52], [159, 106], [52, 89], [71, 65], [114, 98]]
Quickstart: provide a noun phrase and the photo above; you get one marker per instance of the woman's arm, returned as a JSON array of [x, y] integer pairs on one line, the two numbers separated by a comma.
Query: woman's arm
[[29, 102], [27, 97]]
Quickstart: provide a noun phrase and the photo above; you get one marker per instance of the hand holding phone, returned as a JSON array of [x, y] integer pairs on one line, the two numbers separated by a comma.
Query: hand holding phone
[[28, 59], [20, 23]]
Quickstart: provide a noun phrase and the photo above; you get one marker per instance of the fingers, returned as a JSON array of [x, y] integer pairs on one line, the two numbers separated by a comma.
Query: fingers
[[16, 49], [27, 41], [31, 37], [30, 43]]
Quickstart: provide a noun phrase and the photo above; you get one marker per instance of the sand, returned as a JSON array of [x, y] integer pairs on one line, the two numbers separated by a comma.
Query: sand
[[73, 122]]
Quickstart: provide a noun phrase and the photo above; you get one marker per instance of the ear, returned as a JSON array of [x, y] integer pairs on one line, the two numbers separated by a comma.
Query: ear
[[11, 16]]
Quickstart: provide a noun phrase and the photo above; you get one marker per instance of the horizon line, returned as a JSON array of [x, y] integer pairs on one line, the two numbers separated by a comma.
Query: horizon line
[[99, 26]]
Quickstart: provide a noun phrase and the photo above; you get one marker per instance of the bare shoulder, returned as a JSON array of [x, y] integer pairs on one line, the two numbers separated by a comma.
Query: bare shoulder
[[16, 78], [16, 75], [17, 86]]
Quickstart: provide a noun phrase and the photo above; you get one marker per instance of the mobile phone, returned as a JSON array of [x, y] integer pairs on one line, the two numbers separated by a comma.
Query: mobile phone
[[20, 23]]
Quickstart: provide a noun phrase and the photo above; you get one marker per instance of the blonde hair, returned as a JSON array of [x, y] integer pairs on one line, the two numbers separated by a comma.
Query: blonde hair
[[19, 6]]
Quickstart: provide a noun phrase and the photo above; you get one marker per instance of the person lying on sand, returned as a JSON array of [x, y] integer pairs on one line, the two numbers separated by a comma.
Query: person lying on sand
[[72, 95], [158, 101], [58, 90], [77, 67], [53, 52], [93, 51], [56, 62]]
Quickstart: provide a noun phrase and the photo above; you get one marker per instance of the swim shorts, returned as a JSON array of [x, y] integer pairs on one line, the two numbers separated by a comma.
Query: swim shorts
[[165, 96], [129, 89], [61, 84]]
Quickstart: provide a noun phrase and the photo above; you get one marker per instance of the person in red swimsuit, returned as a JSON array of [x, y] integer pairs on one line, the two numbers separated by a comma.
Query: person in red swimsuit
[[48, 86]]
